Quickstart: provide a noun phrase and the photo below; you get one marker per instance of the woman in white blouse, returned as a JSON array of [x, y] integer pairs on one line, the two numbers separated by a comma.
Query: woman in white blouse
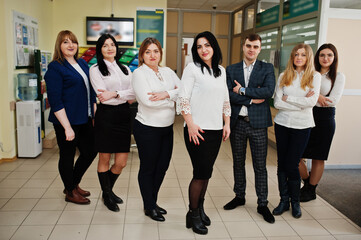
[[296, 93], [112, 82], [204, 103], [318, 147], [156, 89]]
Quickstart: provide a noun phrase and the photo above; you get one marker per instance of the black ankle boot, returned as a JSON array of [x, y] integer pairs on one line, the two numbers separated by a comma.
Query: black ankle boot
[[309, 194], [294, 190], [112, 179], [284, 204], [304, 189], [107, 196], [205, 219], [194, 221]]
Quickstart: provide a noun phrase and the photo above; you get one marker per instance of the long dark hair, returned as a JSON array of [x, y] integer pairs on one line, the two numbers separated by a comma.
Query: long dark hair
[[217, 54], [332, 73], [100, 58]]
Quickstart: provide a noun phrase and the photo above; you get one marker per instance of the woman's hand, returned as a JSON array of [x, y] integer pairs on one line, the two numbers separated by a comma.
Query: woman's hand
[[310, 93], [284, 98], [226, 132], [193, 132], [323, 101], [69, 134], [257, 101], [105, 95], [158, 96]]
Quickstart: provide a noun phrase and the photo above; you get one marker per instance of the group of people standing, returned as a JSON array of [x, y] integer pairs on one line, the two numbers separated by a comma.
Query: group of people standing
[[216, 104]]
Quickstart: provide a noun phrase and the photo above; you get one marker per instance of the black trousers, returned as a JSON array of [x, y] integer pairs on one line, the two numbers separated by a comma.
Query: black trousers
[[70, 173], [155, 146], [258, 141], [291, 144]]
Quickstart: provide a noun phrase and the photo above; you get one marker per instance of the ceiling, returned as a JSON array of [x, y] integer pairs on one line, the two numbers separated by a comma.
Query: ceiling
[[221, 5], [231, 5]]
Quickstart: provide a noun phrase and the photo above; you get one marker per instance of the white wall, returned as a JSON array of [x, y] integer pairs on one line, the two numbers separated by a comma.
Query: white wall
[[342, 27]]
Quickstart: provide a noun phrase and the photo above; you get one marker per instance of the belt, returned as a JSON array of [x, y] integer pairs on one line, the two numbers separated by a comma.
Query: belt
[[244, 118]]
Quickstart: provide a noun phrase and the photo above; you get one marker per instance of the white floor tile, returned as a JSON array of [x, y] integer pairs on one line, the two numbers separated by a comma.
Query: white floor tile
[[19, 204], [32, 204], [48, 204], [140, 231], [42, 218], [307, 227], [108, 217], [97, 232], [32, 233], [279, 228], [174, 231], [12, 217], [339, 226], [243, 229], [73, 232], [76, 217], [7, 231], [30, 193]]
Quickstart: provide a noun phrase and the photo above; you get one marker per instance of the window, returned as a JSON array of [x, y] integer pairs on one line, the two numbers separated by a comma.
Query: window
[[294, 33], [249, 17], [238, 22]]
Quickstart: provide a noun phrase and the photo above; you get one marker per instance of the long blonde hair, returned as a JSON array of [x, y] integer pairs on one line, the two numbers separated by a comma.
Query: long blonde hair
[[58, 54], [289, 74]]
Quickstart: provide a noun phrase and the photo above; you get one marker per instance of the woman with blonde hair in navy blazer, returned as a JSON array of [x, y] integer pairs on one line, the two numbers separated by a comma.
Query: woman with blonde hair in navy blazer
[[72, 102]]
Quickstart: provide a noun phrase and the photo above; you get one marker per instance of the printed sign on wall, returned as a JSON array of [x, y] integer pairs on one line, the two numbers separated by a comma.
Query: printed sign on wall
[[150, 23]]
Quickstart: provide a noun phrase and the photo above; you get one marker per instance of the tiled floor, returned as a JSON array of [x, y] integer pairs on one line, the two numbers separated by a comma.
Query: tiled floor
[[32, 204]]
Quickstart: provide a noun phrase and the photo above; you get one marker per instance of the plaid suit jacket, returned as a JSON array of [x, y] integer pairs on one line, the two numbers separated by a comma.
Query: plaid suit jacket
[[261, 86]]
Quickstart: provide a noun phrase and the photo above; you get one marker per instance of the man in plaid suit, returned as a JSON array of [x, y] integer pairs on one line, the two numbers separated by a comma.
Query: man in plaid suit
[[250, 83]]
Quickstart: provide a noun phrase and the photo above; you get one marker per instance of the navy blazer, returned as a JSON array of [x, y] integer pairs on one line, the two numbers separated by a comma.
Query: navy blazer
[[261, 86], [66, 89]]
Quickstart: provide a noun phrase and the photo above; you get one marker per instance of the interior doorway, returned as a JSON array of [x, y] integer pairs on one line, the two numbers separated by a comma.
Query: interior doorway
[[186, 52]]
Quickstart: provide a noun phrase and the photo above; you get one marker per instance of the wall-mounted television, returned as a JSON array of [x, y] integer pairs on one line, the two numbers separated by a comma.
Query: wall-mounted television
[[122, 29]]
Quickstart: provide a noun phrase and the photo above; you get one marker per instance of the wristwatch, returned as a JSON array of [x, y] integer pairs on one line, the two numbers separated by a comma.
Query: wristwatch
[[242, 91]]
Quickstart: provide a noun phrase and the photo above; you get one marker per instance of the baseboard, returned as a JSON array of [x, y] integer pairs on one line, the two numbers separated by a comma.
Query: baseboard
[[8, 159], [342, 166]]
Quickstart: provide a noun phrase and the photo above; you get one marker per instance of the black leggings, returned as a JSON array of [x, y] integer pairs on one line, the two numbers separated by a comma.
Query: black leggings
[[71, 174]]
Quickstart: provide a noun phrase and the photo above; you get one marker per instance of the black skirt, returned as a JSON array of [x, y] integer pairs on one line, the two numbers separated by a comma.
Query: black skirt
[[319, 144], [205, 154], [112, 128]]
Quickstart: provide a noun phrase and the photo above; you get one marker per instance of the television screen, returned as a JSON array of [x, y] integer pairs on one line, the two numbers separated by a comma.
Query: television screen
[[122, 29]]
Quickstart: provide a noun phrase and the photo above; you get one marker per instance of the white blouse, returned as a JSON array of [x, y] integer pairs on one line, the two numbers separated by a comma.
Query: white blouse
[[86, 82], [155, 113], [204, 96], [337, 90], [116, 81], [296, 112]]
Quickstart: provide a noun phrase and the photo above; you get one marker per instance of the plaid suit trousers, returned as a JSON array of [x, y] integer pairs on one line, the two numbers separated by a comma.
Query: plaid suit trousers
[[258, 139]]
